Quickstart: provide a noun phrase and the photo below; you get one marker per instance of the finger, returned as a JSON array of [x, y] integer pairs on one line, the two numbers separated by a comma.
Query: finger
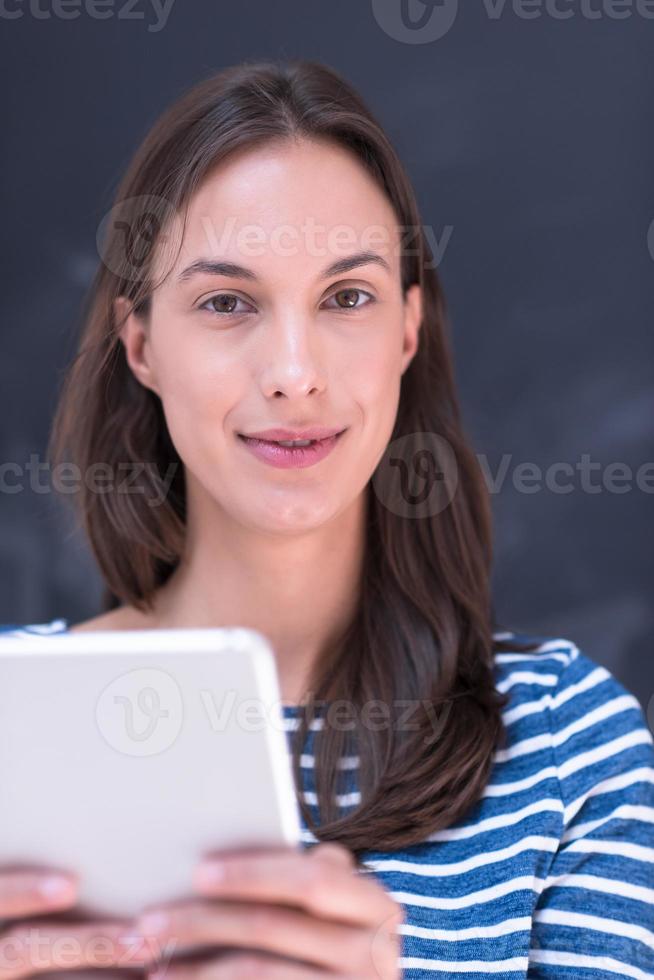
[[307, 880], [242, 965], [29, 892], [29, 948], [333, 852], [269, 928], [328, 849]]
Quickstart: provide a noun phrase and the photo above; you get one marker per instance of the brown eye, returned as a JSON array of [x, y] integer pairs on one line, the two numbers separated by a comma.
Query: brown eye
[[223, 304], [347, 298]]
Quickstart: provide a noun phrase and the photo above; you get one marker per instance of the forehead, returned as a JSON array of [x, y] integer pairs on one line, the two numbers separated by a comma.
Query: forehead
[[264, 206]]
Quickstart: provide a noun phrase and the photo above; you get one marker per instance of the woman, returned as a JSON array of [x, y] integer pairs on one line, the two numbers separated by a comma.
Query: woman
[[266, 279]]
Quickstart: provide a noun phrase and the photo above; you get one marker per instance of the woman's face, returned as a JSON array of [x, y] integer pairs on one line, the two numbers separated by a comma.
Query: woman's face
[[282, 341]]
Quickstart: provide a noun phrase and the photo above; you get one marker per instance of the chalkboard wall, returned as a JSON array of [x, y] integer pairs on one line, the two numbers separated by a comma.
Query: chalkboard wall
[[527, 130]]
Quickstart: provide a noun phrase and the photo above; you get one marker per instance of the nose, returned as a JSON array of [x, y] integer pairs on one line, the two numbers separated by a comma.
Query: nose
[[292, 363]]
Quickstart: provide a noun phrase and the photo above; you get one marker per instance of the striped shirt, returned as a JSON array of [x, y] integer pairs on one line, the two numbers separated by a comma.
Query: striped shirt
[[551, 874]]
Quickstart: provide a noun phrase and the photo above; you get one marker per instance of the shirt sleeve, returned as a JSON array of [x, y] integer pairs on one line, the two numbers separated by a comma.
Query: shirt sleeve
[[594, 917]]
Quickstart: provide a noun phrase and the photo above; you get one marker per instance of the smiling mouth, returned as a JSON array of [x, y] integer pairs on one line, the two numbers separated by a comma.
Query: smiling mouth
[[299, 454], [290, 443], [287, 443]]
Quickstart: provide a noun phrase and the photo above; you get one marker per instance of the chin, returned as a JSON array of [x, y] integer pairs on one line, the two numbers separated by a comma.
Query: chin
[[289, 516]]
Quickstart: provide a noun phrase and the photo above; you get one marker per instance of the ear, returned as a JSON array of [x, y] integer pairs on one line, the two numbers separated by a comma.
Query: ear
[[134, 334], [413, 308]]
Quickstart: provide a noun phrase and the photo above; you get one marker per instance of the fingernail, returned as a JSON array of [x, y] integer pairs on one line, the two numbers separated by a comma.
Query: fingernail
[[210, 874], [54, 886], [131, 941], [152, 923]]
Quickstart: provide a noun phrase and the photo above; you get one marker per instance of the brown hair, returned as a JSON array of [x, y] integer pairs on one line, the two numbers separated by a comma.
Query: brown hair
[[423, 631]]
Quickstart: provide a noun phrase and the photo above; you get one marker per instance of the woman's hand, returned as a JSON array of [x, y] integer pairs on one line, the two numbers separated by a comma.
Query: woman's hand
[[30, 946], [291, 914]]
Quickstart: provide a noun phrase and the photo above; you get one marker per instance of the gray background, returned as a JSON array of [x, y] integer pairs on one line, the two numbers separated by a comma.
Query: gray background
[[530, 139]]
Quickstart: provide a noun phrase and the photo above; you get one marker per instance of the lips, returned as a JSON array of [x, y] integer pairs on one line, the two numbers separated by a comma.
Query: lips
[[276, 454], [314, 433], [286, 443]]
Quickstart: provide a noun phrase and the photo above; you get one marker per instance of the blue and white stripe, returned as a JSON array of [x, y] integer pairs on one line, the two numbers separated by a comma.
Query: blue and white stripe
[[551, 874]]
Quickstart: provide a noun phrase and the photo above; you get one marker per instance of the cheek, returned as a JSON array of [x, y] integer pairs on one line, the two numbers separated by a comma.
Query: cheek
[[373, 381], [373, 372], [198, 391]]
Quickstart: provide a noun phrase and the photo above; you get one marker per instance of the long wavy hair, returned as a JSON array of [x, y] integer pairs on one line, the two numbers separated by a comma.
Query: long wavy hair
[[424, 633]]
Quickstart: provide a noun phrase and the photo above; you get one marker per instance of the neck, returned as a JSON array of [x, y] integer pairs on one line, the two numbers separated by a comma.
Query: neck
[[299, 589]]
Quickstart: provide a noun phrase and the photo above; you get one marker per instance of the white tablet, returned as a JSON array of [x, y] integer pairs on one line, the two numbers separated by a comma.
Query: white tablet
[[127, 755]]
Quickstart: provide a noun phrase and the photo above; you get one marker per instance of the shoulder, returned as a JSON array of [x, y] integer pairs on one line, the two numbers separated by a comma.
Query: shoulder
[[568, 711], [557, 669], [33, 629], [529, 658], [122, 618]]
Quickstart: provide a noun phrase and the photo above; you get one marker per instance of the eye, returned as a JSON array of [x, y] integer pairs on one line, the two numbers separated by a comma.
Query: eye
[[223, 304], [350, 295]]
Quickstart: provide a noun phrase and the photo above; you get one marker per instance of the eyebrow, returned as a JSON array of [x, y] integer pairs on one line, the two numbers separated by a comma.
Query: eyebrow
[[215, 267]]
